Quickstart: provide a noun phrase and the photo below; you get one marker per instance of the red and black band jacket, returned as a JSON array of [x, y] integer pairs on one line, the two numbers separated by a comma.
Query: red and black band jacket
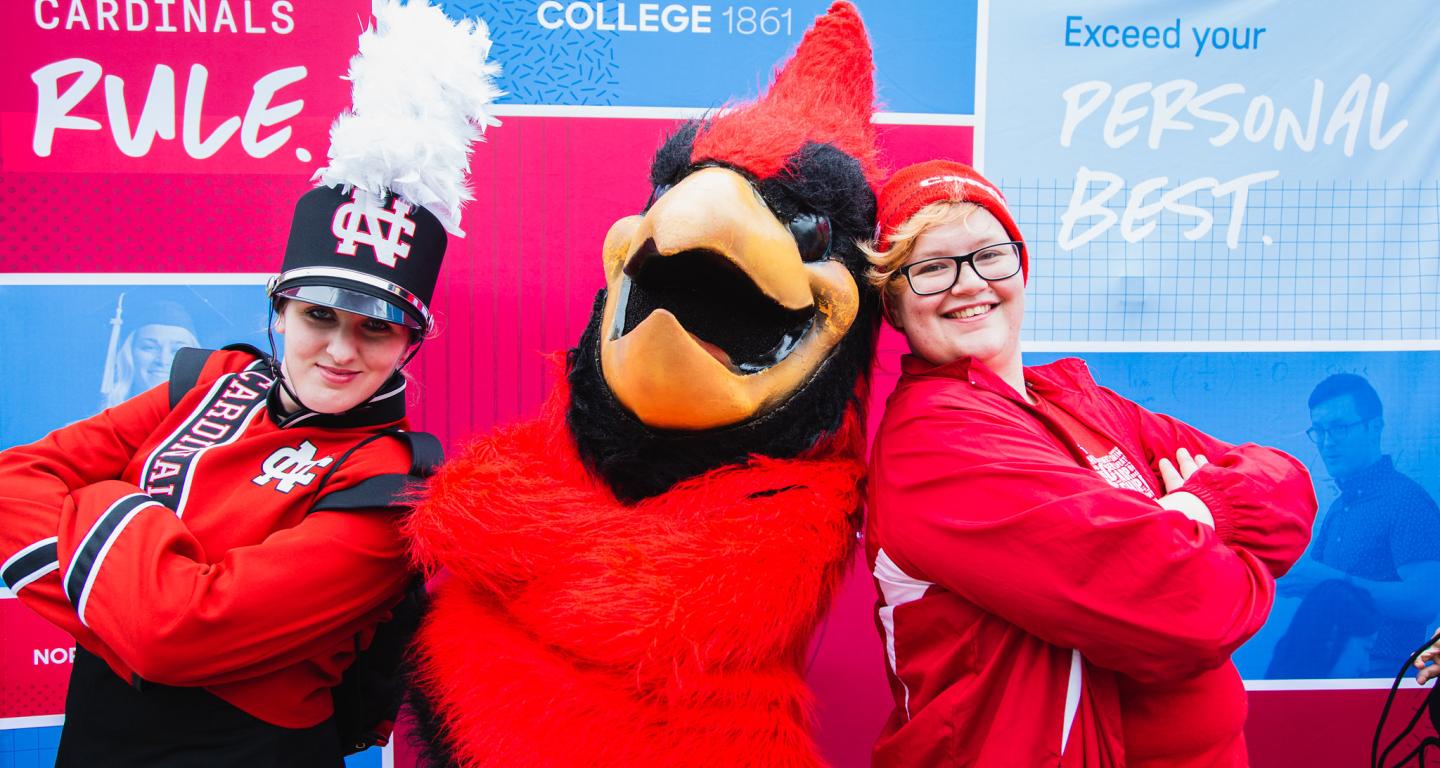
[[218, 544]]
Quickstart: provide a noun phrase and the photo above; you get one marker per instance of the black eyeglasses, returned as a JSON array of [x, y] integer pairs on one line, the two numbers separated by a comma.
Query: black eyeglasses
[[1336, 432], [1000, 261]]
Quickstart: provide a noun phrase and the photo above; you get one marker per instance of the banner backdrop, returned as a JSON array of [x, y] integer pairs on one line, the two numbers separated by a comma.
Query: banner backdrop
[[1223, 210], [1209, 172]]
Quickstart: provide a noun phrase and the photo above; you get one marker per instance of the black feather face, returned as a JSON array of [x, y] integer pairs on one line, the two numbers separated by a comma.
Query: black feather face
[[822, 189], [735, 305], [823, 180]]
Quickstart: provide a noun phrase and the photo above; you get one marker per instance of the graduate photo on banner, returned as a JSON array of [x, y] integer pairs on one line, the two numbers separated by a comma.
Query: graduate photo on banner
[[118, 340]]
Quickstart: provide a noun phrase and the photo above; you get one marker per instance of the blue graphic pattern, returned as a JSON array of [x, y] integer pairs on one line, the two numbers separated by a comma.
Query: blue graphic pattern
[[541, 66], [1333, 260]]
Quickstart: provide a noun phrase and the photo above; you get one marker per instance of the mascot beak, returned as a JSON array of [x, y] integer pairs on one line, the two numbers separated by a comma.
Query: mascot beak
[[711, 315]]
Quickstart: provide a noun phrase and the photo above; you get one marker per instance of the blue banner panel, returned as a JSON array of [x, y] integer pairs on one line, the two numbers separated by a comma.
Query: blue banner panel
[[29, 747], [36, 748], [701, 55], [118, 339], [1363, 596], [1209, 172]]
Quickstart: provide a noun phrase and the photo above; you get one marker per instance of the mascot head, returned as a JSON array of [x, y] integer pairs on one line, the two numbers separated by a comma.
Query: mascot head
[[736, 320]]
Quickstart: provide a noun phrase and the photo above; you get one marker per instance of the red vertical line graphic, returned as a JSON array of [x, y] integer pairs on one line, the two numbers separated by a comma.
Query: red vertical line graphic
[[569, 249], [519, 284], [534, 354]]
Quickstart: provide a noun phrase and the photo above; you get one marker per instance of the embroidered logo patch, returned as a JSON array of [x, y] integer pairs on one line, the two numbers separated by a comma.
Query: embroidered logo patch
[[290, 467], [359, 222], [1119, 472]]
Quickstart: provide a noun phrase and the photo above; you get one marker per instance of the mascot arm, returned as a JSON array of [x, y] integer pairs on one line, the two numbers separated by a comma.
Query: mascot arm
[[497, 515]]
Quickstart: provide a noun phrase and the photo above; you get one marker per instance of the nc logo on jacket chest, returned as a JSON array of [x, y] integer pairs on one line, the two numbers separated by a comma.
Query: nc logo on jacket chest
[[290, 467], [362, 222]]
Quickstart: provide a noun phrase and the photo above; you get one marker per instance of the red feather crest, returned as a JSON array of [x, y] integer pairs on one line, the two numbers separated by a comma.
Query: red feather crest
[[824, 94]]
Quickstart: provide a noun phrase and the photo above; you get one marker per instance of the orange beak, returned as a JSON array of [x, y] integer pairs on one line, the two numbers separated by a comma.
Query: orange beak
[[711, 316]]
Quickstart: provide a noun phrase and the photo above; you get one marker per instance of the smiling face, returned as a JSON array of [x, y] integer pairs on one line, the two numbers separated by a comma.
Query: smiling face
[[975, 318], [154, 348], [335, 360]]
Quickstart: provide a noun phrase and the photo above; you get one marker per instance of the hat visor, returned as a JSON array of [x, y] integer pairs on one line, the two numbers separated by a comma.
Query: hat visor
[[356, 300]]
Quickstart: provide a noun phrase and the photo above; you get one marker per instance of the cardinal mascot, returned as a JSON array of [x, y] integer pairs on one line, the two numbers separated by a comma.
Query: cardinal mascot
[[634, 576]]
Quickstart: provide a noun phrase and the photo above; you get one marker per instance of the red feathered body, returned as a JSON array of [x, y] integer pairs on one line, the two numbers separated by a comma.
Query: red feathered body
[[577, 630]]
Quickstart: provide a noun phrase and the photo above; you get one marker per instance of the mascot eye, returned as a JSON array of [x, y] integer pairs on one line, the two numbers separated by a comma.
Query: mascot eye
[[656, 194], [812, 235]]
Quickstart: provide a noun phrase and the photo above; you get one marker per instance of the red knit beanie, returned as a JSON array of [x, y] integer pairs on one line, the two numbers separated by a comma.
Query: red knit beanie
[[916, 186]]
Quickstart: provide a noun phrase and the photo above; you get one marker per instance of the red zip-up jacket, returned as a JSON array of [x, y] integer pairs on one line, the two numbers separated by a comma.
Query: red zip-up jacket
[[257, 586], [1030, 608]]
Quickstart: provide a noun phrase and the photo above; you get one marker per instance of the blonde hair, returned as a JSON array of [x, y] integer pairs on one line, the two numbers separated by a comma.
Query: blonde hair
[[885, 265]]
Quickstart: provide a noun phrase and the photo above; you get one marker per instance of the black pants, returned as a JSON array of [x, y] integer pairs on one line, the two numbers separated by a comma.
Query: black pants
[[111, 723]]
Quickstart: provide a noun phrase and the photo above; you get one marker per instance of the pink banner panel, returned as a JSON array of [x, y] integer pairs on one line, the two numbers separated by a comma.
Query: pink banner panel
[[183, 132], [145, 222], [135, 87], [35, 659], [1324, 728]]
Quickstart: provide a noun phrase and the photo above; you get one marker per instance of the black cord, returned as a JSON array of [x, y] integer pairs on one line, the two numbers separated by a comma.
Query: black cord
[[1419, 751], [275, 360], [1377, 761], [1406, 732]]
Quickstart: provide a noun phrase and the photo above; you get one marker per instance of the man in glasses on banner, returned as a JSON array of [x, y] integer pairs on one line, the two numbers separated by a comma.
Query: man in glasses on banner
[[1371, 569]]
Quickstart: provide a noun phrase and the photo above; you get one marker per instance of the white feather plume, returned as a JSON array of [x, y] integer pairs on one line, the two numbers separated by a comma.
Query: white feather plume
[[420, 88]]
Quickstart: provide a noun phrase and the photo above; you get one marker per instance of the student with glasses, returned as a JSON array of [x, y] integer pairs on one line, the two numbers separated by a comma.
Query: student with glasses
[[1060, 570]]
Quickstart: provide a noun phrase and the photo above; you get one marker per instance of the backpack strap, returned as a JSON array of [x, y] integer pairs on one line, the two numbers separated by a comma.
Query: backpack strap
[[242, 347], [368, 697], [388, 490], [426, 452], [185, 372], [189, 362]]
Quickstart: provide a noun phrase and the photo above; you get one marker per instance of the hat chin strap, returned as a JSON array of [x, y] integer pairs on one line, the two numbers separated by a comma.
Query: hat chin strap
[[277, 367]]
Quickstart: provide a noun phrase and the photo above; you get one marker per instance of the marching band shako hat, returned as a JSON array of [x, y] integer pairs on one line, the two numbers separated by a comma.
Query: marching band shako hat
[[370, 237], [350, 251]]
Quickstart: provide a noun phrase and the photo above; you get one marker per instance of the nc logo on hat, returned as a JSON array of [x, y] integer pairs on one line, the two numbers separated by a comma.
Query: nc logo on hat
[[360, 222]]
